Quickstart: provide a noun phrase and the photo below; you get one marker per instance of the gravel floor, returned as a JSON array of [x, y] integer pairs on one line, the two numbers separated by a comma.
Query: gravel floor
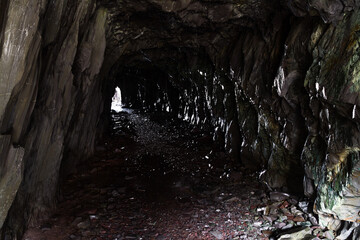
[[156, 179]]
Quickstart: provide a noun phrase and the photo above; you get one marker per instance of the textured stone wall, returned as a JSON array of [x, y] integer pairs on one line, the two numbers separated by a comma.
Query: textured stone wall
[[50, 100], [331, 152]]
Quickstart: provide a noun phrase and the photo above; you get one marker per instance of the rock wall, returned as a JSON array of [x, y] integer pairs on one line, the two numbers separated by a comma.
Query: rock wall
[[50, 100], [331, 152]]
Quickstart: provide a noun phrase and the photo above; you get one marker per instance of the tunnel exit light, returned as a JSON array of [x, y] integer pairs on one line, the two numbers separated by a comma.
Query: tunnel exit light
[[116, 104]]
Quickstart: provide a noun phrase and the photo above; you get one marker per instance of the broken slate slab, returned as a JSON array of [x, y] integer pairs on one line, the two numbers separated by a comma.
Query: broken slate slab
[[83, 225], [217, 234], [278, 196], [297, 234]]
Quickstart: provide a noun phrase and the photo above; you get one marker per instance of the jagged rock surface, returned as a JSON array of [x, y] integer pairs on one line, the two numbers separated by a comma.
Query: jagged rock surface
[[48, 68], [277, 81]]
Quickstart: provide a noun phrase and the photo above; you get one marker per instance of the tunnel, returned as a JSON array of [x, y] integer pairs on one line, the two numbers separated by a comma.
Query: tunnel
[[238, 119]]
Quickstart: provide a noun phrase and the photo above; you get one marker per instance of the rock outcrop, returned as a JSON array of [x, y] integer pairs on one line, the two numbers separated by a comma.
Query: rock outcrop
[[277, 81], [48, 91]]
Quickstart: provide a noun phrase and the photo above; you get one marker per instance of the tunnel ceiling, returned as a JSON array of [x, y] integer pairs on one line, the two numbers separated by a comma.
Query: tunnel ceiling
[[139, 26], [136, 27], [276, 81]]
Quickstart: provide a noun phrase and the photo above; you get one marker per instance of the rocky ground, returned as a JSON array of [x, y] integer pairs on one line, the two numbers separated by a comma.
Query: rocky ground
[[157, 179]]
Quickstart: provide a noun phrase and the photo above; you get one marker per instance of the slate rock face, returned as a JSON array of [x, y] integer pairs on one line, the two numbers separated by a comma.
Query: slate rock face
[[332, 79], [40, 96], [11, 174], [277, 81]]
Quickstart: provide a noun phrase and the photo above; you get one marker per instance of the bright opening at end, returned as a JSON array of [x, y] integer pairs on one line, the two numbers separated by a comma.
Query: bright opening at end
[[116, 103]]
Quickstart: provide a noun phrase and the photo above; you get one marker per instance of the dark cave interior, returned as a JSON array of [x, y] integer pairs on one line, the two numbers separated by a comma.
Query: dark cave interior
[[271, 88]]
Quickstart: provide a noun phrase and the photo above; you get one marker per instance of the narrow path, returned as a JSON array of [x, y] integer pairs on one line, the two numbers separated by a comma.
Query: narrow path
[[158, 178]]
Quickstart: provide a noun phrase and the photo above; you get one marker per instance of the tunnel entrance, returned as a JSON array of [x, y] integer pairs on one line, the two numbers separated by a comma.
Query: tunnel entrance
[[116, 103]]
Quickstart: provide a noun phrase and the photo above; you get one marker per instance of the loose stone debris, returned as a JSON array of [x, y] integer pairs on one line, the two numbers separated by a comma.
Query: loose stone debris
[[165, 180]]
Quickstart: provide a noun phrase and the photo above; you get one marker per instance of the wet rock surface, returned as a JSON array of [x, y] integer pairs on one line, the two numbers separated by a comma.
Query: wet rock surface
[[159, 178]]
